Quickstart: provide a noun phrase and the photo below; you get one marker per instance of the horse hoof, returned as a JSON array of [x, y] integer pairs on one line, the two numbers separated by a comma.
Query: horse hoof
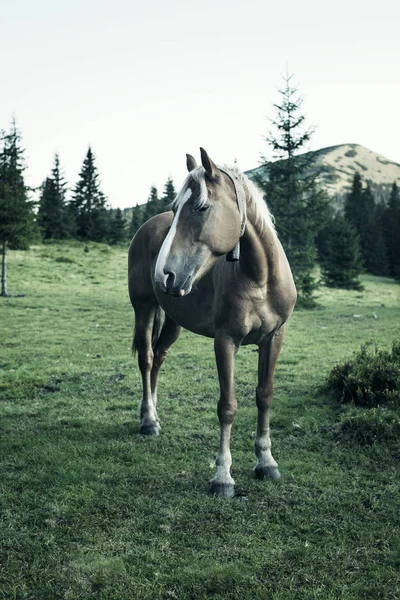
[[223, 490], [267, 472], [150, 429]]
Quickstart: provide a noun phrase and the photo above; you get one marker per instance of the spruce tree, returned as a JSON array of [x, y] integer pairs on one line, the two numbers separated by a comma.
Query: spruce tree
[[151, 207], [373, 245], [89, 205], [391, 230], [340, 255], [154, 205], [137, 219], [365, 216], [17, 220], [59, 179], [168, 196], [118, 224], [53, 217], [153, 196], [99, 228], [353, 206], [297, 202], [367, 227]]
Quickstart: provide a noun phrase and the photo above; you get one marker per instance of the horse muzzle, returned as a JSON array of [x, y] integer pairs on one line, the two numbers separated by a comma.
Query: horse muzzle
[[171, 284]]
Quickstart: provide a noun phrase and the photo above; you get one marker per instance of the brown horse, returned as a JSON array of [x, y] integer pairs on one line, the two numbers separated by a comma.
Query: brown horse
[[214, 264]]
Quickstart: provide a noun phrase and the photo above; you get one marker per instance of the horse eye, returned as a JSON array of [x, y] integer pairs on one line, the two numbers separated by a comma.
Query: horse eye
[[203, 209]]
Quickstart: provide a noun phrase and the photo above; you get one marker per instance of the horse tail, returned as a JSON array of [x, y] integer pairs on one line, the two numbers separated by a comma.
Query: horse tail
[[157, 324]]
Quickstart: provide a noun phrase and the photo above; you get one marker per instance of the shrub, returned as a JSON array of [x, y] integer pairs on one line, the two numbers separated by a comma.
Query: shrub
[[370, 379], [370, 426]]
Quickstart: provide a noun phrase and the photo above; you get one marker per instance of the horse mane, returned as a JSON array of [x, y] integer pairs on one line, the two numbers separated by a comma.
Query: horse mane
[[255, 200]]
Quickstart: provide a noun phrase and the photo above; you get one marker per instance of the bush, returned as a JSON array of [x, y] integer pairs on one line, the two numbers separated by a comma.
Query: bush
[[370, 379], [370, 426]]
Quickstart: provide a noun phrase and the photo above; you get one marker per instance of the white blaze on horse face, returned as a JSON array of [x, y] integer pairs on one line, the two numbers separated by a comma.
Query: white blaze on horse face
[[159, 274]]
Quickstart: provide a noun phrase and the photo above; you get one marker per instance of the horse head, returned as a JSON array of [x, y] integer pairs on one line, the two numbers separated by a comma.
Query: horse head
[[206, 224]]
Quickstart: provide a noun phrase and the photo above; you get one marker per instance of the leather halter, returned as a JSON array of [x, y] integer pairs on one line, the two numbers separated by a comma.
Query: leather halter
[[240, 192]]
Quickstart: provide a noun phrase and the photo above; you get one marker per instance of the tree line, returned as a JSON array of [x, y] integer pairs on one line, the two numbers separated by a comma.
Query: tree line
[[87, 216], [82, 212], [365, 236]]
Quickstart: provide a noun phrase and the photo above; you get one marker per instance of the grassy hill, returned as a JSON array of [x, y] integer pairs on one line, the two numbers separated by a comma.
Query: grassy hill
[[338, 165], [91, 509]]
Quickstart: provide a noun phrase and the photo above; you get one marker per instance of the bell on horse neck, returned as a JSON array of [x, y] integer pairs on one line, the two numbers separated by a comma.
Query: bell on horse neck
[[234, 254]]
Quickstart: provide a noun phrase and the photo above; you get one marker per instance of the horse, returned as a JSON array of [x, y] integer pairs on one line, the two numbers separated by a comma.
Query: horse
[[215, 266]]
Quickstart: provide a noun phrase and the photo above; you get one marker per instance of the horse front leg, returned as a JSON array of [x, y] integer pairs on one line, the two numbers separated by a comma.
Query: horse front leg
[[169, 334], [222, 484], [144, 321], [268, 354]]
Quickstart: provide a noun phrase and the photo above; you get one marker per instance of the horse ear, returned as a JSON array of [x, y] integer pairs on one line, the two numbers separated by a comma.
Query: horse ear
[[190, 162], [211, 169]]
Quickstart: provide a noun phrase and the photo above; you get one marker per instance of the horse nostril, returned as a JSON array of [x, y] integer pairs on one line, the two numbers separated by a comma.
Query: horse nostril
[[170, 280]]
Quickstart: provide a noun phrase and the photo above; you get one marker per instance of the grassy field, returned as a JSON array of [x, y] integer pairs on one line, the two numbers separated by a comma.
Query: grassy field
[[90, 509]]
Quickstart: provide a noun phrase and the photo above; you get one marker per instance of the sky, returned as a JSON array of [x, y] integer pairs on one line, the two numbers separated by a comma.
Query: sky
[[144, 83]]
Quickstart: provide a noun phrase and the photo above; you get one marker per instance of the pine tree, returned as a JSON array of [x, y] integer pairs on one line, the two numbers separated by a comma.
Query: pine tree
[[117, 228], [89, 204], [340, 255], [99, 228], [373, 246], [292, 192], [353, 206], [152, 206], [53, 217], [153, 196], [59, 179], [168, 196], [365, 216], [391, 230], [47, 212], [137, 219], [17, 220]]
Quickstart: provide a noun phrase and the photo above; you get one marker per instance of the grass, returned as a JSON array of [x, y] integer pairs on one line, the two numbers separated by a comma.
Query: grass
[[92, 510]]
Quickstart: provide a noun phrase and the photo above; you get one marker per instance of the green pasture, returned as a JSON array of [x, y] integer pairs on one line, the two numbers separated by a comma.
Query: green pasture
[[90, 509]]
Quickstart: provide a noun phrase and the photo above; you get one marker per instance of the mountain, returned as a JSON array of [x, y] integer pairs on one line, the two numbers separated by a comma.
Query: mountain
[[338, 165]]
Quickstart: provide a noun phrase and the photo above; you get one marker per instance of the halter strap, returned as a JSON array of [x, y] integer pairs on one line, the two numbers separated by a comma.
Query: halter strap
[[240, 192]]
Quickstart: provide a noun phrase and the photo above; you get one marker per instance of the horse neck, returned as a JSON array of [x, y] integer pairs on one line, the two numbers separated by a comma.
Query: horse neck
[[259, 246]]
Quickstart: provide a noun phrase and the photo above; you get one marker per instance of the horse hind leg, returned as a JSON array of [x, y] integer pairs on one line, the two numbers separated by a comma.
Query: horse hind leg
[[169, 334], [145, 317], [268, 354]]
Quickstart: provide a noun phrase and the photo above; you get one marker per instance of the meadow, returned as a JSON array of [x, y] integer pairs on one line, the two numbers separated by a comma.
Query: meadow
[[90, 509]]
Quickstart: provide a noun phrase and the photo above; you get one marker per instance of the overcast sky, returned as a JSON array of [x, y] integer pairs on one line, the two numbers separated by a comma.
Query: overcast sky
[[146, 82]]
